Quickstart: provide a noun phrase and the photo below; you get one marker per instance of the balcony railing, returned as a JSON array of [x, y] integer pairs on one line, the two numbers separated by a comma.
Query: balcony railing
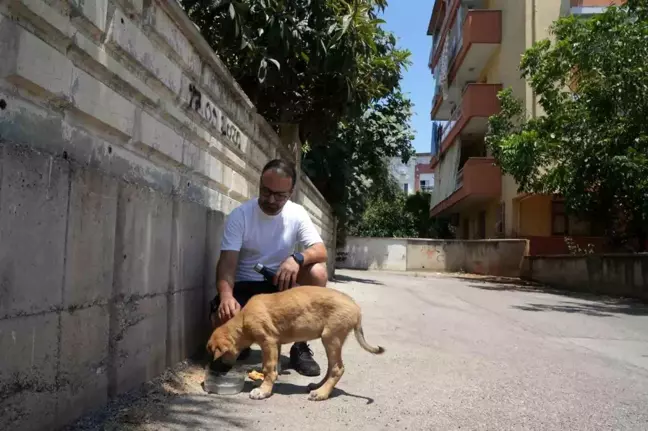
[[460, 175], [454, 118], [437, 47]]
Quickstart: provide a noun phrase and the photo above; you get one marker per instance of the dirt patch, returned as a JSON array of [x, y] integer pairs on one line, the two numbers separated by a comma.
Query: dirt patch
[[142, 408]]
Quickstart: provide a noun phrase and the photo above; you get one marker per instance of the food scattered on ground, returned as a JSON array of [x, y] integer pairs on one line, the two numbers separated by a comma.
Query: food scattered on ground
[[255, 375]]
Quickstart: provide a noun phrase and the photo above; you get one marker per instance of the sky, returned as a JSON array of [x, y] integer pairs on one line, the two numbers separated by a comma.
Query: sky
[[408, 20]]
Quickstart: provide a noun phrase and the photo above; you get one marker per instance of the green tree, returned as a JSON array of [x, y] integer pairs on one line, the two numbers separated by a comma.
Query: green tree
[[591, 143], [418, 205], [386, 218], [352, 167], [327, 67], [389, 212], [310, 63]]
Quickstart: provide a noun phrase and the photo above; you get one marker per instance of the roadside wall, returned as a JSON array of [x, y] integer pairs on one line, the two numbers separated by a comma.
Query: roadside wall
[[124, 144], [612, 274], [491, 257], [374, 253]]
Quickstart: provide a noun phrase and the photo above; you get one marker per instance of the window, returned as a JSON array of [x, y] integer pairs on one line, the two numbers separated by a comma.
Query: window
[[559, 220], [406, 188], [563, 224]]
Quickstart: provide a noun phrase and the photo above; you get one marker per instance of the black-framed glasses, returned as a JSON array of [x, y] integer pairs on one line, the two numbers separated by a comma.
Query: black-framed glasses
[[279, 196]]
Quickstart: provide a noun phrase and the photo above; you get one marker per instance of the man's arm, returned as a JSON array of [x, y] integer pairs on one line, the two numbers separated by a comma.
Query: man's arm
[[226, 272], [314, 248], [316, 253], [227, 264]]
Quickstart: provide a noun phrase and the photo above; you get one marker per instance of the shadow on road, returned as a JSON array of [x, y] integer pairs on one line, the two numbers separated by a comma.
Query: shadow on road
[[583, 302], [597, 310], [285, 388], [339, 278]]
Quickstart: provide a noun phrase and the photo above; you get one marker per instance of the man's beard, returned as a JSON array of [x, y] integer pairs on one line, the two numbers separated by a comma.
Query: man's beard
[[270, 208]]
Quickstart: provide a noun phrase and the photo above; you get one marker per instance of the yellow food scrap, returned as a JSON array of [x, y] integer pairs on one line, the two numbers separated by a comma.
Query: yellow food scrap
[[255, 375]]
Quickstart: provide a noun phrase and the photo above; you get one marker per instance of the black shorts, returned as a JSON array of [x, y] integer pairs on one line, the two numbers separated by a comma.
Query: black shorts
[[243, 291]]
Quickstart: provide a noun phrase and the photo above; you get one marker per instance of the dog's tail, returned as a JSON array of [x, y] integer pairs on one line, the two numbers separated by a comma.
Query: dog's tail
[[359, 333]]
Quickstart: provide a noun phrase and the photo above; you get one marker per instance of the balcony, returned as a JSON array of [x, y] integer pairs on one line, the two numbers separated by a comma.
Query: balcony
[[479, 181], [591, 7], [471, 46], [595, 3], [478, 103]]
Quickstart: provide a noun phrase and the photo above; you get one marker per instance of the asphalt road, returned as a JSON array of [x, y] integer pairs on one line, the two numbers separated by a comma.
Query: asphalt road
[[461, 354]]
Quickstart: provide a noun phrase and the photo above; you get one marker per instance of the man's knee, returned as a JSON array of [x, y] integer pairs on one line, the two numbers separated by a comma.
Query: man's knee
[[314, 275]]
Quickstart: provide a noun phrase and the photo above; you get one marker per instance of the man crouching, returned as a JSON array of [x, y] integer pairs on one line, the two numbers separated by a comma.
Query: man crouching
[[266, 230]]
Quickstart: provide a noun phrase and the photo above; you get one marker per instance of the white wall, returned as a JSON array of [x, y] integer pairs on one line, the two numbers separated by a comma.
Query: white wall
[[374, 253], [490, 257]]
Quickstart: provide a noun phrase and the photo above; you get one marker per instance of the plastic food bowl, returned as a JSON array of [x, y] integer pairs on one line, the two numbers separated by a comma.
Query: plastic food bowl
[[224, 380]]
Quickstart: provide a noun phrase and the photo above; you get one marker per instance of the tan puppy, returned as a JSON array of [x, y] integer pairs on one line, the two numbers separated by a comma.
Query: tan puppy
[[302, 313]]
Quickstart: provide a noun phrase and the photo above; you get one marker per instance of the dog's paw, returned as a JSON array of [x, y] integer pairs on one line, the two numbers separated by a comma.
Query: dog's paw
[[317, 396], [258, 394]]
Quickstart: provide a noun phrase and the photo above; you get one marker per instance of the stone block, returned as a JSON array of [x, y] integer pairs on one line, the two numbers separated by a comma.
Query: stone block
[[240, 185], [136, 6], [188, 251], [138, 335], [203, 163], [188, 325], [142, 242], [95, 12], [156, 135], [125, 35], [215, 229], [102, 104], [30, 63], [88, 48], [83, 375], [29, 358], [174, 37], [91, 237], [43, 15], [33, 216]]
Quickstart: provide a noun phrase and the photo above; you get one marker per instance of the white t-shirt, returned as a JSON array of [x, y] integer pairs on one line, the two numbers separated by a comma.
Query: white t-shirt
[[265, 239]]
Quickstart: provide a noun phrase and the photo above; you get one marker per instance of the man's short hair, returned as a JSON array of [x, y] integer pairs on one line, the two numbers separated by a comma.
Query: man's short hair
[[282, 167]]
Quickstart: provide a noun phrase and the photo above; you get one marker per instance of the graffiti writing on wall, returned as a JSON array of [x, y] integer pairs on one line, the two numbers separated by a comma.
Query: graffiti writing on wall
[[214, 116], [437, 251]]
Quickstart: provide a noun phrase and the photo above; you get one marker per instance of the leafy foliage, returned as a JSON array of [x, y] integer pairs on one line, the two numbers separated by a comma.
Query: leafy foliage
[[353, 165], [329, 67], [386, 218], [418, 205], [306, 62], [395, 214], [591, 143]]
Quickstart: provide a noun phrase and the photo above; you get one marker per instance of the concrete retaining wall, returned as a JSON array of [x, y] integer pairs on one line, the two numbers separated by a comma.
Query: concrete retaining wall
[[374, 253], [613, 274], [492, 257], [124, 144]]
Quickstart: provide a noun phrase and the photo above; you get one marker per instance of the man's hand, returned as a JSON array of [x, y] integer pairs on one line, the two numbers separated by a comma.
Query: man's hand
[[287, 274], [228, 308]]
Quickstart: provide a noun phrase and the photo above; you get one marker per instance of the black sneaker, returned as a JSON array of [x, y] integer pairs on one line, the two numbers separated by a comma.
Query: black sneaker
[[245, 354], [301, 359]]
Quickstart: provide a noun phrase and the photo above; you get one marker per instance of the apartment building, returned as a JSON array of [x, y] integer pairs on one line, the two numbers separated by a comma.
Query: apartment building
[[476, 50], [417, 175]]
